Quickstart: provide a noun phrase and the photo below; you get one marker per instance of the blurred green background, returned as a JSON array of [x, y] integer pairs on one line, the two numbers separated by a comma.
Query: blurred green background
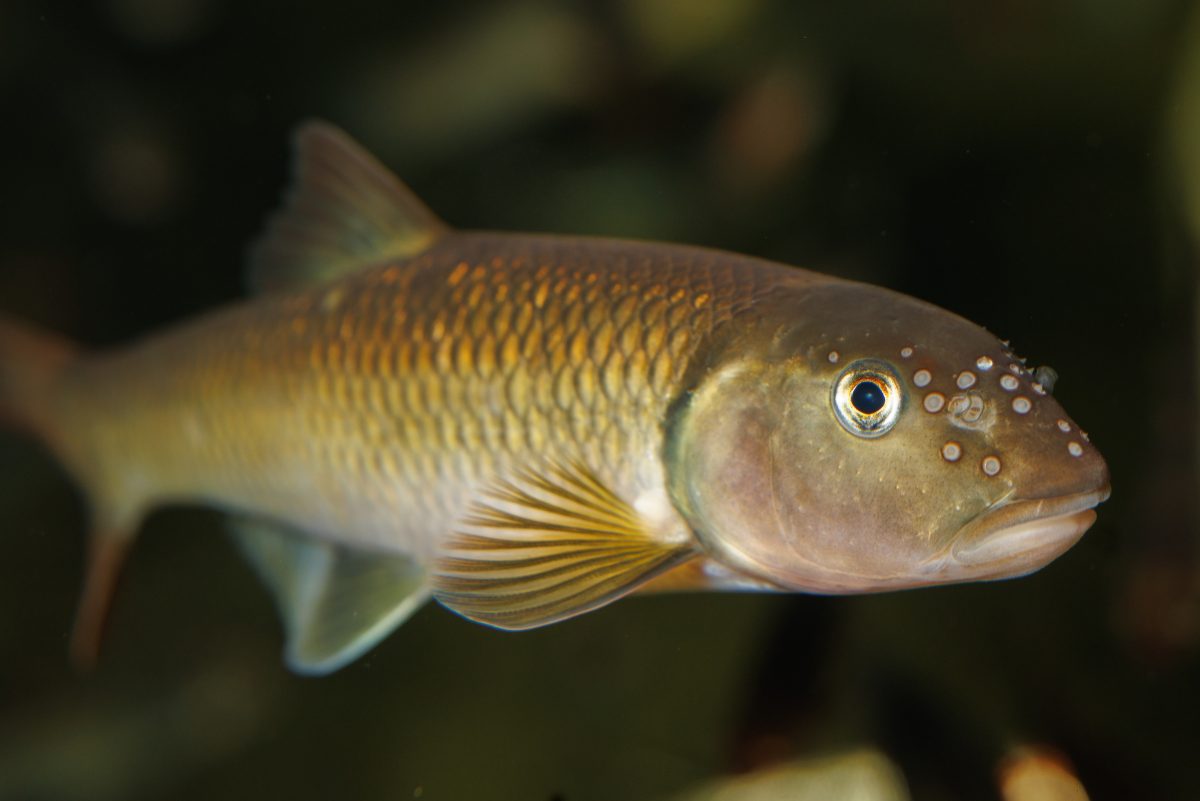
[[1033, 166]]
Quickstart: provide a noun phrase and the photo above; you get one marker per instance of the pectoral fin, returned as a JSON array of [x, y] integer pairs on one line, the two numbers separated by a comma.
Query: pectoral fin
[[336, 602], [546, 547]]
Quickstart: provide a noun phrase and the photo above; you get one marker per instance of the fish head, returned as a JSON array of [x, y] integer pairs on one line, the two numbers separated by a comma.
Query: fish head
[[852, 439]]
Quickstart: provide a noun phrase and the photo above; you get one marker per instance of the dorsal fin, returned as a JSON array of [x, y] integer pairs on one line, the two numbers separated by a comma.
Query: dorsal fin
[[343, 212]]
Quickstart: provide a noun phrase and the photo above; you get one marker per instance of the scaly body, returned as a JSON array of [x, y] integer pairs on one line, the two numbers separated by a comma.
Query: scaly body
[[375, 409], [529, 427]]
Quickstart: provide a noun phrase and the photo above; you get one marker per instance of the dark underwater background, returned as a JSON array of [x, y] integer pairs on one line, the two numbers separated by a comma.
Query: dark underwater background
[[1033, 166]]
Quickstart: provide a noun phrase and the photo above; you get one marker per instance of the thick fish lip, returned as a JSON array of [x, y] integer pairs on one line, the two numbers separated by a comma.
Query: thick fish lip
[[1023, 535]]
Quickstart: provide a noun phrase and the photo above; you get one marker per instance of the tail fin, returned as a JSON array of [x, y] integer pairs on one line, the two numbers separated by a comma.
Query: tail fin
[[32, 362]]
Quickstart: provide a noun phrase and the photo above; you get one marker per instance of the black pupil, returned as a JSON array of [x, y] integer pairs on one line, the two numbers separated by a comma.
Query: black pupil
[[867, 397]]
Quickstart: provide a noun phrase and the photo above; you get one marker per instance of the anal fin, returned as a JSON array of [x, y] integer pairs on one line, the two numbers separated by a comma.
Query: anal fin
[[336, 602], [107, 549], [546, 547]]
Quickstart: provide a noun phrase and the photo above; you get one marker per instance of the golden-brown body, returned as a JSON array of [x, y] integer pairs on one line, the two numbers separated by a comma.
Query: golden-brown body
[[373, 409], [529, 427]]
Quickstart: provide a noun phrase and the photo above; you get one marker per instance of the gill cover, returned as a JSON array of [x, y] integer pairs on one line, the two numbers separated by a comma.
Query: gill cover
[[811, 466]]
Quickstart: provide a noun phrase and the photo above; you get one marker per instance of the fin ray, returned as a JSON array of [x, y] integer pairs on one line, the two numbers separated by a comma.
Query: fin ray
[[546, 547], [336, 602], [344, 212]]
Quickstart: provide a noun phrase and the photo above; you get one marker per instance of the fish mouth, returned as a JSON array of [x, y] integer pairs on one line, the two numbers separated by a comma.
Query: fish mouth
[[1021, 536]]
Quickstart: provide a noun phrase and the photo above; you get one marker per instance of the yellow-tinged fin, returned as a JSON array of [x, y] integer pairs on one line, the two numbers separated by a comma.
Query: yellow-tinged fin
[[546, 547], [336, 602], [345, 211]]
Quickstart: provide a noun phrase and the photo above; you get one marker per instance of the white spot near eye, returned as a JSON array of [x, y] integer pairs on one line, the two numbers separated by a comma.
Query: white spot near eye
[[1064, 426], [1009, 383], [1038, 388], [934, 402], [905, 352], [952, 451], [833, 357], [1075, 449], [1083, 434], [1014, 368], [984, 363], [968, 408], [990, 465], [922, 378], [965, 380], [1021, 404]]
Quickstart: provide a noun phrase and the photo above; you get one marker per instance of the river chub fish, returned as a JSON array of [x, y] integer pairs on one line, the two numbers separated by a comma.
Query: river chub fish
[[528, 427]]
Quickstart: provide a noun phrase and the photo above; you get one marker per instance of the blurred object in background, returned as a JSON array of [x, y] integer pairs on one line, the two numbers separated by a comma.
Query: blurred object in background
[[862, 775], [768, 127], [1158, 609], [135, 169], [785, 708], [139, 744], [162, 23], [1183, 125], [1038, 774], [674, 34], [498, 69]]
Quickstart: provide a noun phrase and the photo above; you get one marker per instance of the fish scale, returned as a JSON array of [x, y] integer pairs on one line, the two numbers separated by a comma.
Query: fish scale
[[385, 391], [529, 427]]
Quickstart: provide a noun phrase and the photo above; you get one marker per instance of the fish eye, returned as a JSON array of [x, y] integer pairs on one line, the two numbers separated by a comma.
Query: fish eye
[[867, 398]]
